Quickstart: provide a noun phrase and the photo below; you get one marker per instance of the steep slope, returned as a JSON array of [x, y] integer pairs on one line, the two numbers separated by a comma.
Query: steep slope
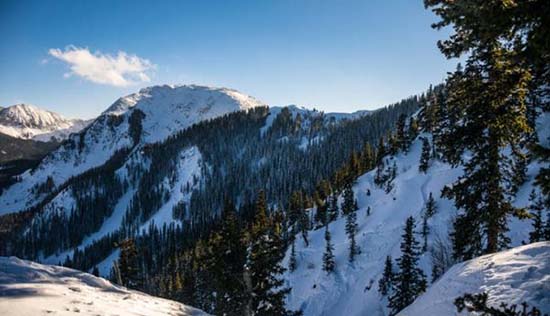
[[28, 289], [27, 121], [513, 276], [353, 288]]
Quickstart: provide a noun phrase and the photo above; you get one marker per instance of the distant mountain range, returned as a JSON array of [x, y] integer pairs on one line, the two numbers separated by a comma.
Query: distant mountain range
[[25, 121]]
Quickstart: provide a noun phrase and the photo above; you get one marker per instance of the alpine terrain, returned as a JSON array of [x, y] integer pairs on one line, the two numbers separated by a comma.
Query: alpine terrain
[[191, 195]]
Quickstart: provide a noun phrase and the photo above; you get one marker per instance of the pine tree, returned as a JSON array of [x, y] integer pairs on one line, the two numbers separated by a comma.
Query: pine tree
[[264, 269], [321, 215], [410, 281], [380, 150], [367, 158], [129, 265], [226, 266], [537, 234], [328, 257], [425, 156], [351, 230], [491, 95], [413, 130], [402, 138], [431, 208], [333, 207], [425, 231], [348, 205], [385, 283], [292, 262], [299, 216]]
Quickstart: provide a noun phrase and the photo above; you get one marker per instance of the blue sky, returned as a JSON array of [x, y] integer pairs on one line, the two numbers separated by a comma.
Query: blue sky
[[332, 55]]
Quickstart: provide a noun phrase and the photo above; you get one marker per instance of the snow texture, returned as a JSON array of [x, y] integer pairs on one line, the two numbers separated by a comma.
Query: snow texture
[[513, 276], [30, 289]]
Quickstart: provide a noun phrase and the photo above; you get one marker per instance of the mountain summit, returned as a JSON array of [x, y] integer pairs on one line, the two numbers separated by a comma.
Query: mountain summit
[[27, 121], [170, 108]]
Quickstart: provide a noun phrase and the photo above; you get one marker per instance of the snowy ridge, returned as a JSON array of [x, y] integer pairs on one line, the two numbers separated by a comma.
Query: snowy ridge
[[330, 117], [513, 276], [29, 289], [30, 122]]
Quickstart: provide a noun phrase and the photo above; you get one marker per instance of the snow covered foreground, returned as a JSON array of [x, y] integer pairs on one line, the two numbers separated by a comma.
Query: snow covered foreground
[[513, 276], [30, 289]]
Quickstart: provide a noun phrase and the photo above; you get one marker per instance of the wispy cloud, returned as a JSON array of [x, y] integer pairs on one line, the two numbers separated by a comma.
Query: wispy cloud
[[120, 70]]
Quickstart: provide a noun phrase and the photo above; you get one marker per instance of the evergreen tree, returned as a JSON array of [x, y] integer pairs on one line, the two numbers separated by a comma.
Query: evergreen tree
[[537, 234], [380, 150], [425, 156], [333, 207], [348, 205], [491, 95], [425, 231], [264, 269], [410, 281], [367, 158], [351, 231], [328, 257], [228, 256], [402, 138], [129, 265], [321, 215], [413, 130], [95, 271], [292, 262], [386, 282], [431, 208]]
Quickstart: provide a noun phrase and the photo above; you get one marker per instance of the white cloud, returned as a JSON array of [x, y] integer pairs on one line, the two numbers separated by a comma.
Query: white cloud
[[120, 70]]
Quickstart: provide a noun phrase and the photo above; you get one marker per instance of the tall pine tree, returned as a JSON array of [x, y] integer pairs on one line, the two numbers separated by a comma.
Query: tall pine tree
[[506, 56], [328, 257], [410, 281]]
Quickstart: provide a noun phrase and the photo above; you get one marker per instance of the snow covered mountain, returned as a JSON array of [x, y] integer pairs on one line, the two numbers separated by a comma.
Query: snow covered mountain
[[27, 121], [161, 111], [28, 289], [514, 276]]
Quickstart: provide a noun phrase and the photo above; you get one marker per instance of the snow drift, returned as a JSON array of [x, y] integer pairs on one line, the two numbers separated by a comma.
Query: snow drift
[[513, 276], [29, 289]]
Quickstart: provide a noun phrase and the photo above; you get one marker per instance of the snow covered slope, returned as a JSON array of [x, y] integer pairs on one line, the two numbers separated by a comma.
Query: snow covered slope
[[513, 276], [30, 122], [29, 289], [170, 108], [352, 289]]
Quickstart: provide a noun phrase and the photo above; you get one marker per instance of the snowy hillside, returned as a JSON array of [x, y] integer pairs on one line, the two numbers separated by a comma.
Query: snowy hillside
[[29, 289], [170, 108], [353, 288], [513, 276], [27, 121]]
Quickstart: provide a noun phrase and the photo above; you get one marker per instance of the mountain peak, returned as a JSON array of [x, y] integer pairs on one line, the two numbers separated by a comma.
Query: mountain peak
[[190, 95], [28, 121], [28, 115]]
